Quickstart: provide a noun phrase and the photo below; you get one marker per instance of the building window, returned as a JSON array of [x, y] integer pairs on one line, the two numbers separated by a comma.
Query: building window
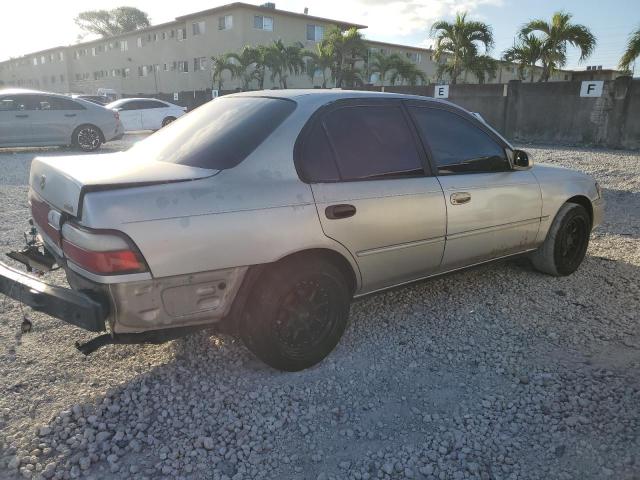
[[199, 64], [164, 35], [51, 58], [35, 60], [263, 23], [414, 56], [124, 46], [225, 22], [183, 66], [93, 51], [139, 42], [42, 59], [182, 34], [143, 71], [126, 72], [166, 67], [315, 33], [198, 28], [172, 33]]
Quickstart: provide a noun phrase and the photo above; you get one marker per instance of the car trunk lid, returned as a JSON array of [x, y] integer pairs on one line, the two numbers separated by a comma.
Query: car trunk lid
[[62, 181]]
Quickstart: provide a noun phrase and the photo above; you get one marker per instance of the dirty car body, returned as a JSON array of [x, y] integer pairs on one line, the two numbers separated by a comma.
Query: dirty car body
[[185, 228]]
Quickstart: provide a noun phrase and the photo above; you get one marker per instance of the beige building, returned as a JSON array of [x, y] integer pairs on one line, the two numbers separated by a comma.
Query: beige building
[[175, 56]]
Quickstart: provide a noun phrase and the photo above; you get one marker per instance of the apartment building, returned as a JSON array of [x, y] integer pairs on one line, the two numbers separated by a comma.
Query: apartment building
[[175, 56]]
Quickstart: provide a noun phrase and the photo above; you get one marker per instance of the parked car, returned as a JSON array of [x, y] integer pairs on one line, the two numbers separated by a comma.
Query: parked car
[[265, 213], [32, 118], [146, 113], [97, 99]]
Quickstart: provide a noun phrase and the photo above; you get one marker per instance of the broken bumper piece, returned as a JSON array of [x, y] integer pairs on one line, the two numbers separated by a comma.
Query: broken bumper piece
[[73, 307]]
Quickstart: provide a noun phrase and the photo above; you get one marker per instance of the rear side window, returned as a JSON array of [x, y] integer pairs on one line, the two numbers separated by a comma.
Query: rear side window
[[218, 135], [359, 143], [153, 104], [457, 145], [58, 103]]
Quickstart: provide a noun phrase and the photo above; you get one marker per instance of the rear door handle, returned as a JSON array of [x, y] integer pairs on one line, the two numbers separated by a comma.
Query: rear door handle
[[460, 198], [21, 115], [336, 212], [69, 114]]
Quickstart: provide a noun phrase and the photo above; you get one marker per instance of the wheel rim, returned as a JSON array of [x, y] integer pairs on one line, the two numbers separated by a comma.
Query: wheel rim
[[167, 121], [573, 243], [305, 318], [88, 138]]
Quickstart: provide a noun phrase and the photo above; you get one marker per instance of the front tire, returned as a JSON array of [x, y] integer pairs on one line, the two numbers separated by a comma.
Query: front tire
[[566, 244], [87, 138], [296, 314]]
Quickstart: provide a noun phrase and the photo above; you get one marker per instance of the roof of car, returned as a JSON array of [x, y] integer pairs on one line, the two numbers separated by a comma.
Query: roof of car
[[138, 98], [22, 91], [314, 95]]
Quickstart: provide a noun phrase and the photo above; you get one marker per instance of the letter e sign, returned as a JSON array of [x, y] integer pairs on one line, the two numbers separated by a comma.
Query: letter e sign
[[441, 91], [591, 88]]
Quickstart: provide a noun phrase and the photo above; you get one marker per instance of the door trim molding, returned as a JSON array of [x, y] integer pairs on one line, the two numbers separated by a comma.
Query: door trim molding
[[494, 228], [399, 246]]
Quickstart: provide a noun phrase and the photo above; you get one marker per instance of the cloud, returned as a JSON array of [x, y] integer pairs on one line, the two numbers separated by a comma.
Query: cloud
[[393, 19]]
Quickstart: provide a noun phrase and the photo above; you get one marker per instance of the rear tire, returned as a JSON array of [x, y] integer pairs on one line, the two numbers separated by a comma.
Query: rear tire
[[566, 244], [296, 314], [87, 138], [167, 121]]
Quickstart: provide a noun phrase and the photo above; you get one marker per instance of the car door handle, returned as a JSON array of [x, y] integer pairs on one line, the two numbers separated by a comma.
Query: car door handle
[[22, 115], [69, 114], [460, 198], [336, 212]]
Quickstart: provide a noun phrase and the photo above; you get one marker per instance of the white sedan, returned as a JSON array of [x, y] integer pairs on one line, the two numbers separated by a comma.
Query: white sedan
[[145, 113]]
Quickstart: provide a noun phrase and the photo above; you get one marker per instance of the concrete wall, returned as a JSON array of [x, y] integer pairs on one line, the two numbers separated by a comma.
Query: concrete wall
[[552, 112]]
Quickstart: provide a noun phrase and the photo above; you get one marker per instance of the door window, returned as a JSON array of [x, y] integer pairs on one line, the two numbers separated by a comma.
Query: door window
[[360, 143], [57, 103], [147, 104], [457, 145]]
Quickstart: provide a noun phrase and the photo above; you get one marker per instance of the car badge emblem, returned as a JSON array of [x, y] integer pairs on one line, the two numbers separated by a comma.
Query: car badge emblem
[[43, 182]]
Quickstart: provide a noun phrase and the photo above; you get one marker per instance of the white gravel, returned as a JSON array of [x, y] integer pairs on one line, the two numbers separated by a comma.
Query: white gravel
[[495, 373]]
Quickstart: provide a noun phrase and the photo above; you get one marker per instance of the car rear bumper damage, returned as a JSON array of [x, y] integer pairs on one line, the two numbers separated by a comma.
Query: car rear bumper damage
[[82, 310]]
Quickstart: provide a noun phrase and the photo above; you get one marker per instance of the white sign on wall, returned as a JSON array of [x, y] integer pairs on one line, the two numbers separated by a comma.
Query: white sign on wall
[[591, 88], [441, 91], [215, 94], [175, 97]]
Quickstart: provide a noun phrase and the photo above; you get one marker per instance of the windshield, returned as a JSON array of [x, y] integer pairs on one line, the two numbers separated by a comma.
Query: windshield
[[217, 135]]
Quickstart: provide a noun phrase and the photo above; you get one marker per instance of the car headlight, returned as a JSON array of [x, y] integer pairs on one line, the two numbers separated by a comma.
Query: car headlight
[[598, 190]]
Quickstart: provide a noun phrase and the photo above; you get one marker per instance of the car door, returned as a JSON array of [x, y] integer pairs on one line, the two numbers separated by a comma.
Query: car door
[[55, 119], [493, 210], [153, 113], [15, 120], [130, 115], [373, 191]]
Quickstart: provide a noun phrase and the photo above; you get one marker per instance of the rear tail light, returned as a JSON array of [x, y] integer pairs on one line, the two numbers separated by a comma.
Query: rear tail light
[[102, 252]]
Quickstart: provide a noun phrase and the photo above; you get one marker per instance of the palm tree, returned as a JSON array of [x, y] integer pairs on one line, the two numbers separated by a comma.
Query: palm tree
[[244, 65], [555, 37], [526, 53], [632, 52], [483, 67], [406, 71], [384, 64], [220, 64], [285, 60], [318, 60], [457, 44], [347, 49]]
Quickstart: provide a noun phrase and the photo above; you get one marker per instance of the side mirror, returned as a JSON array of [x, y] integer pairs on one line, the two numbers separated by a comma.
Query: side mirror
[[521, 160]]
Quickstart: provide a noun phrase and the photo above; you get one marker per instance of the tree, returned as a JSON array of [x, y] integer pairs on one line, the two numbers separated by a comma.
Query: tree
[[384, 64], [556, 35], [244, 65], [284, 60], [527, 52], [405, 71], [318, 60], [632, 52], [457, 44], [107, 23], [347, 49], [219, 65], [483, 67]]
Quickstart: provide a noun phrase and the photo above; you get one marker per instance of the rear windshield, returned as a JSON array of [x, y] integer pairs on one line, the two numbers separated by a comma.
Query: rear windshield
[[217, 135]]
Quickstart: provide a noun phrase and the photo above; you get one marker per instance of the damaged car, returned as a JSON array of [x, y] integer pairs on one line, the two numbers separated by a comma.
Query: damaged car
[[265, 214]]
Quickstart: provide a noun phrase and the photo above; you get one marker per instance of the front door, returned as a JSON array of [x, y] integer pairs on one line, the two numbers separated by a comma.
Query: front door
[[131, 116], [152, 114], [373, 192], [492, 210], [54, 119]]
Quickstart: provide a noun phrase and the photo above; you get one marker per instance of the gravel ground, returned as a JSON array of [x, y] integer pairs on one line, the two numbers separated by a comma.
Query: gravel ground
[[495, 373]]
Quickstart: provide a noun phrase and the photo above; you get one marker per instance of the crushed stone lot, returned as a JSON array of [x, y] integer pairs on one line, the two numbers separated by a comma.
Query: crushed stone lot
[[494, 373]]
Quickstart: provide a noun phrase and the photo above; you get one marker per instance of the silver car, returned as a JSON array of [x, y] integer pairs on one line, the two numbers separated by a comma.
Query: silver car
[[266, 213], [30, 118]]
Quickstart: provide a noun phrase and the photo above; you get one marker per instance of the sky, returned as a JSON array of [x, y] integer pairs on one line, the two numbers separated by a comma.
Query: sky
[[32, 25]]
